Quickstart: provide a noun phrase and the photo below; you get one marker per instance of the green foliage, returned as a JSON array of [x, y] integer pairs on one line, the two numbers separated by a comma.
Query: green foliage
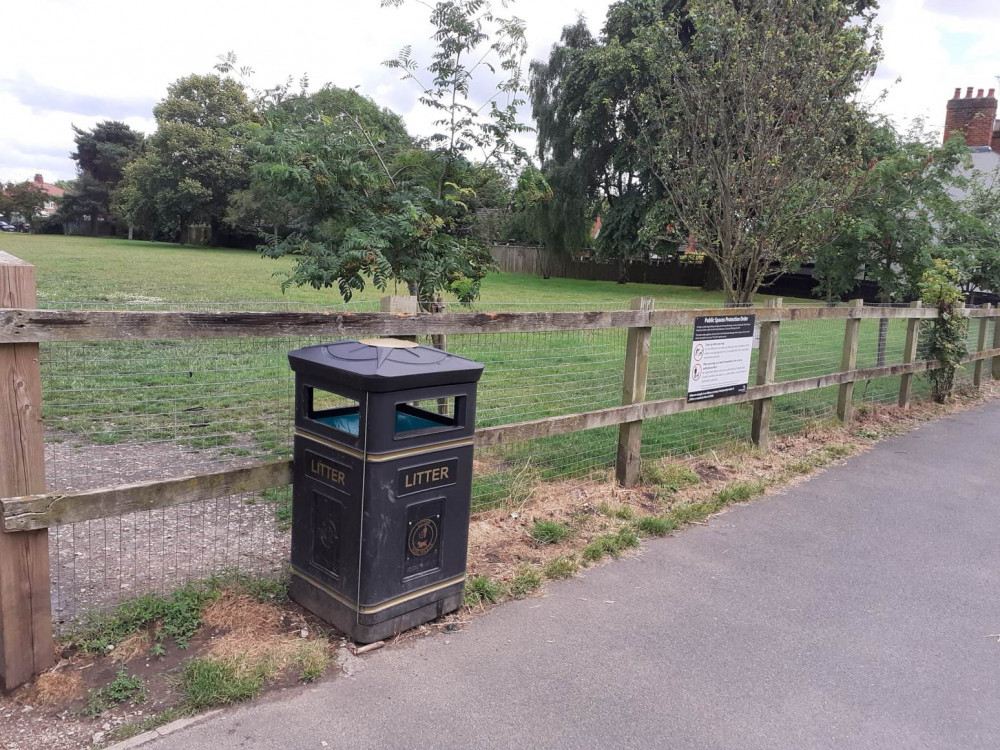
[[352, 178], [527, 578], [897, 214], [549, 532], [564, 566], [668, 477], [616, 510], [610, 544], [23, 199], [656, 525], [735, 492], [481, 590], [207, 683], [944, 338], [194, 162], [969, 234], [101, 155], [123, 689], [177, 617], [755, 128]]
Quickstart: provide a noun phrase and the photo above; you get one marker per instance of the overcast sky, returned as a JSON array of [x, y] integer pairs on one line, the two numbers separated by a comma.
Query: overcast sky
[[89, 60]]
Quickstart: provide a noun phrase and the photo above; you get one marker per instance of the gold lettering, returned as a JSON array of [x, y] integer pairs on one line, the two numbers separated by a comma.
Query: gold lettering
[[444, 472]]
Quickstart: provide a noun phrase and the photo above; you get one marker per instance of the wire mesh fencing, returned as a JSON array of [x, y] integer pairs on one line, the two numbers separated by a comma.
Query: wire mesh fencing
[[123, 412]]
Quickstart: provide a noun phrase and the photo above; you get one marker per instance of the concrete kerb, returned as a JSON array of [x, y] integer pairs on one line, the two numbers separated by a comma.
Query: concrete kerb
[[153, 734]]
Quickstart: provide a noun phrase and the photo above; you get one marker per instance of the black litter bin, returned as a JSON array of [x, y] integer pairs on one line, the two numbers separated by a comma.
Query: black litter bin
[[382, 483]]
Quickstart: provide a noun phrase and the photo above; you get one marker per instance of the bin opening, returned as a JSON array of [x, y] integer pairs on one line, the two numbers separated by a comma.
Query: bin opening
[[333, 410], [430, 414]]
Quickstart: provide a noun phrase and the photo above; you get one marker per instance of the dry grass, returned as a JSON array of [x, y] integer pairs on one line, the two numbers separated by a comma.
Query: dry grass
[[58, 686], [500, 540], [132, 647], [242, 615]]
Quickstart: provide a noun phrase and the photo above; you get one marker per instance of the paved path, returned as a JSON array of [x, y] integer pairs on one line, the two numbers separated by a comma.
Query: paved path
[[848, 612]]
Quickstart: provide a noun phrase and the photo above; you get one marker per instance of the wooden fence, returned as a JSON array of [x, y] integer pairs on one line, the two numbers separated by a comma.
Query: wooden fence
[[538, 261], [28, 511]]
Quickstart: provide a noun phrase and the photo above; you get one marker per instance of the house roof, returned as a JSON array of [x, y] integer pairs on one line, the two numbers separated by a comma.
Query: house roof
[[53, 191]]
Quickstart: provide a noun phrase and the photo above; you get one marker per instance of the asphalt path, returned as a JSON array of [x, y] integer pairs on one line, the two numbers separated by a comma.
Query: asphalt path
[[851, 611]]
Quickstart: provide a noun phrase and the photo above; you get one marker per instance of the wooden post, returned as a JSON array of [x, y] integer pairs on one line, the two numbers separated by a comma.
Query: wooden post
[[909, 356], [995, 365], [767, 359], [849, 360], [26, 646], [977, 373], [633, 392], [401, 305]]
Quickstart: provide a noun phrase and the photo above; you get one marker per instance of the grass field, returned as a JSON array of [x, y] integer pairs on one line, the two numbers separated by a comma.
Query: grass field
[[225, 399], [83, 269]]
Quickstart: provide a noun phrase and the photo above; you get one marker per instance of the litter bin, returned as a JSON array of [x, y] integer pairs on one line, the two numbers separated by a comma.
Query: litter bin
[[382, 483]]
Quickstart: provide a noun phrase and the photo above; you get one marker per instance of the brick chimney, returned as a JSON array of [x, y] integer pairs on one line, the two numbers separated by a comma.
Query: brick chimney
[[39, 180], [972, 116]]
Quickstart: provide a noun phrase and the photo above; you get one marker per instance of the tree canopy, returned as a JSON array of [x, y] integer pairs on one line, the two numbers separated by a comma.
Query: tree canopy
[[756, 134]]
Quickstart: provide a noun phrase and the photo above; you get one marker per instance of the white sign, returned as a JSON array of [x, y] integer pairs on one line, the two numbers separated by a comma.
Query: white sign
[[720, 356]]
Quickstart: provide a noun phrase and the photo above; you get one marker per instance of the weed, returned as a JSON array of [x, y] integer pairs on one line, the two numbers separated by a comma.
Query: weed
[[482, 590], [735, 492], [281, 499], [206, 682], [549, 532], [123, 689], [668, 477], [561, 567], [867, 433], [839, 450], [656, 525], [132, 728], [616, 510], [526, 579], [312, 659], [178, 617], [610, 544]]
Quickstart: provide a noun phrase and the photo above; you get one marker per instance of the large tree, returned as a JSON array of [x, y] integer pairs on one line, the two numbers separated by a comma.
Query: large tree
[[101, 156], [195, 161], [755, 129], [360, 201], [586, 99]]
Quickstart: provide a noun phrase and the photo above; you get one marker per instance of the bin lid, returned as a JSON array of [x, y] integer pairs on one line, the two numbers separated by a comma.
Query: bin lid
[[380, 365]]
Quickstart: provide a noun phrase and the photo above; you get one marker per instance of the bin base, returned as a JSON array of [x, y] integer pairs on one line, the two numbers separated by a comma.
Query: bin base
[[370, 627]]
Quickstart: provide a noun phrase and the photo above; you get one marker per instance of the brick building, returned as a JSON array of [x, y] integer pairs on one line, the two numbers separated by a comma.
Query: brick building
[[975, 117], [54, 193]]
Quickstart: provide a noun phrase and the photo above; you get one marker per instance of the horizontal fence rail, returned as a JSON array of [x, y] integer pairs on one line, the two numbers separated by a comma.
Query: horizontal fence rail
[[18, 326]]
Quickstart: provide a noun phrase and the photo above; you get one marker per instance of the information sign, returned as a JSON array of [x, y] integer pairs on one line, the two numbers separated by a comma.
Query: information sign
[[720, 356]]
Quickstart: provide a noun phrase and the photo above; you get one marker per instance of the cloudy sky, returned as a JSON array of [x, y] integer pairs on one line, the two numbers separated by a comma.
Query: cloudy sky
[[90, 60]]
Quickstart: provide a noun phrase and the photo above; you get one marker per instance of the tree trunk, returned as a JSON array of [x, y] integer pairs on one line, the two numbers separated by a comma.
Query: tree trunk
[[543, 262], [622, 270]]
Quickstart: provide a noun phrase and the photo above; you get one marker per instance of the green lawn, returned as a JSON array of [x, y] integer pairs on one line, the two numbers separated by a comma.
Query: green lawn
[[234, 395], [83, 269]]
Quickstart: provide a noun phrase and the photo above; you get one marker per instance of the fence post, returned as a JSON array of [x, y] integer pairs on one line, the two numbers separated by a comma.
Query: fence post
[[909, 356], [767, 359], [394, 304], [977, 373], [26, 646], [633, 392], [995, 364], [849, 360]]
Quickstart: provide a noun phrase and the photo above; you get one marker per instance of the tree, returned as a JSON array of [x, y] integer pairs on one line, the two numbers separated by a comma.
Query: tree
[[350, 177], [753, 126], [944, 338], [194, 162], [587, 101], [969, 235], [23, 199], [892, 223], [101, 156]]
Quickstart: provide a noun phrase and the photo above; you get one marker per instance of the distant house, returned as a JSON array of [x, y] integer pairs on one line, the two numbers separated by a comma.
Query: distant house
[[54, 193], [975, 117]]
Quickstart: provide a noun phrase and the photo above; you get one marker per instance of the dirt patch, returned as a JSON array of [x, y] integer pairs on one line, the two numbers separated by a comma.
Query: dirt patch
[[52, 712]]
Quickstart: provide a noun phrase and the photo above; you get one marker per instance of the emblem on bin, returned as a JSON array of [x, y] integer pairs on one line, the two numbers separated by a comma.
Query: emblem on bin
[[375, 423]]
